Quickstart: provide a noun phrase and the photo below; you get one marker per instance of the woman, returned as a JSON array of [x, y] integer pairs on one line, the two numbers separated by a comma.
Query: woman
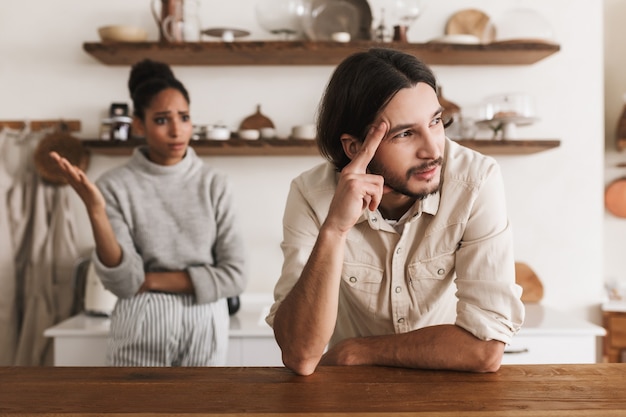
[[166, 238]]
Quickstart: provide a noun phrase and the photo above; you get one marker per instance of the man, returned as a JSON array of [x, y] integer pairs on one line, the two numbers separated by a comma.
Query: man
[[398, 251]]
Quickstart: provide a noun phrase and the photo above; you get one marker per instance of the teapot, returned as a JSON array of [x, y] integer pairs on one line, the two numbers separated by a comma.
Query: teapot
[[178, 20]]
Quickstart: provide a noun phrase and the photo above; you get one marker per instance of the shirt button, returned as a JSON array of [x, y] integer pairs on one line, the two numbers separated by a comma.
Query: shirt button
[[399, 251], [441, 271], [398, 290], [401, 320], [353, 279], [373, 219]]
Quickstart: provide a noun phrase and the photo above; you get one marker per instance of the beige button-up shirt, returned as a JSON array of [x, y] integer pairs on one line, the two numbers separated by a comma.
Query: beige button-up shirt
[[452, 263]]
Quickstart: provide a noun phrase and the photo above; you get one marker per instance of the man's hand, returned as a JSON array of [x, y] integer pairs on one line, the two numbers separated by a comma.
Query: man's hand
[[357, 189], [343, 353]]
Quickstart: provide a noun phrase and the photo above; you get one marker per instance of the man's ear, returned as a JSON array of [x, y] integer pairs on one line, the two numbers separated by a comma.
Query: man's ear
[[351, 145], [138, 128]]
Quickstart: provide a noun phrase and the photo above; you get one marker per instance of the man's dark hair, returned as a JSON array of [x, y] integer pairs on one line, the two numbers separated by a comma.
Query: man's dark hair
[[358, 90]]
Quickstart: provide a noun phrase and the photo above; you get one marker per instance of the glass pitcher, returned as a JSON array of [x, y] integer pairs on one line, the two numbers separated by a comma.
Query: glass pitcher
[[178, 20]]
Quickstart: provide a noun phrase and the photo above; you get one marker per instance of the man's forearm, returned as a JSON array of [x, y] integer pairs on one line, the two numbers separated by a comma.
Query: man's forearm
[[306, 318], [436, 347]]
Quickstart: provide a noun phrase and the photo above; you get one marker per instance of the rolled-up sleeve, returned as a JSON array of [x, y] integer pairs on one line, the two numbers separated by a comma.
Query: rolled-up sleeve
[[489, 305]]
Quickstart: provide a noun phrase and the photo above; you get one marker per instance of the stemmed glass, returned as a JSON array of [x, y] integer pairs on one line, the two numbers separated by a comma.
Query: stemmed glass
[[280, 17], [404, 13]]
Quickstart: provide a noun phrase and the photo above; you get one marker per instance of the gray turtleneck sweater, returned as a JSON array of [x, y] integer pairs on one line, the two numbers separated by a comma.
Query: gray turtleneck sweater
[[173, 218]]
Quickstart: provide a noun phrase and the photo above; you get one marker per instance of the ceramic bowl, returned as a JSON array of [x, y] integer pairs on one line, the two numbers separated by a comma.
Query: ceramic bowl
[[307, 132], [249, 134], [267, 132], [217, 133], [122, 33]]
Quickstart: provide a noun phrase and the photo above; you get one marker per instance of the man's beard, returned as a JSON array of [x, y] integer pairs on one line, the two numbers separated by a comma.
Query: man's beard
[[399, 185]]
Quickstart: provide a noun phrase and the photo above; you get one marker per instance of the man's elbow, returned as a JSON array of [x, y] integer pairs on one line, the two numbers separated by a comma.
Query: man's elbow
[[300, 365], [489, 357]]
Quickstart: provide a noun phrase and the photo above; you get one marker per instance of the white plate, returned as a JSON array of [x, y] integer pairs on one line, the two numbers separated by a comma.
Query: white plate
[[322, 18], [457, 39]]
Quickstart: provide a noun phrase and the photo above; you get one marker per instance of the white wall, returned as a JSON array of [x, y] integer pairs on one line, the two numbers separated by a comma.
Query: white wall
[[555, 197]]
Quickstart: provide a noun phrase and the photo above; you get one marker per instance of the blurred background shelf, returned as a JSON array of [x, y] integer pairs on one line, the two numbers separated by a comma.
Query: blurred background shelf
[[510, 146], [231, 147], [299, 147], [313, 53]]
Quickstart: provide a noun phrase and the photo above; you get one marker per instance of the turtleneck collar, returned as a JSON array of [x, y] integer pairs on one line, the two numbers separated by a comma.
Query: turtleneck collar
[[140, 159]]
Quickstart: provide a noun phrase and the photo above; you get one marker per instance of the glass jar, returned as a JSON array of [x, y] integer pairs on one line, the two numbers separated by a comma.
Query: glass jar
[[120, 127], [105, 129]]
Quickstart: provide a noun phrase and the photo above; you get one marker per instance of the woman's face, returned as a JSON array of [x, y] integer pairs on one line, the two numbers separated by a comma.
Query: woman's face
[[167, 127]]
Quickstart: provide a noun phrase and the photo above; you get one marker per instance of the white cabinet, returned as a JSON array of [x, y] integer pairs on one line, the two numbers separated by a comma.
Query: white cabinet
[[551, 337], [81, 340]]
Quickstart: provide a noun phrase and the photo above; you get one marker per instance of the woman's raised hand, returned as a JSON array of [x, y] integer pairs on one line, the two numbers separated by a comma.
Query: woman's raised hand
[[76, 178]]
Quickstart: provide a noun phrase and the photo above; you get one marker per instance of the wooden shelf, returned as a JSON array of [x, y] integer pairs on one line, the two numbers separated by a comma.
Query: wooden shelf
[[294, 147], [510, 147], [314, 53], [232, 147]]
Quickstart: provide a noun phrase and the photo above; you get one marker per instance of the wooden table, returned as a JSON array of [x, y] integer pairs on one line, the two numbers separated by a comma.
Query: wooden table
[[515, 390]]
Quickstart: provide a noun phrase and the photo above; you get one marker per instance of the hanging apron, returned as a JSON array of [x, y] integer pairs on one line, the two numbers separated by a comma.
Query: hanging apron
[[8, 302], [45, 255]]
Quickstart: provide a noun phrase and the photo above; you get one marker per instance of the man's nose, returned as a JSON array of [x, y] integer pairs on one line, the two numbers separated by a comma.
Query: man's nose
[[428, 148]]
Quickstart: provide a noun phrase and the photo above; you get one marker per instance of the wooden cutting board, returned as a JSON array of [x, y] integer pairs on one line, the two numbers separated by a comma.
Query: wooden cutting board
[[256, 121], [530, 283], [471, 22], [615, 197]]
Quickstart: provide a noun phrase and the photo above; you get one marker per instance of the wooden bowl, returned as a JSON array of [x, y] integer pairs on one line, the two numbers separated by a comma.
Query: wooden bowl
[[65, 145], [122, 33]]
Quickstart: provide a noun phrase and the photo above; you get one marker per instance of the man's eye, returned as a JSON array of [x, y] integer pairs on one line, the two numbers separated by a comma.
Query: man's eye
[[160, 120], [404, 134], [436, 120], [185, 117]]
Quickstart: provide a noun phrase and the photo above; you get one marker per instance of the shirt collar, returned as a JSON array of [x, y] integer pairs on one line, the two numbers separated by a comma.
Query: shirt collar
[[429, 205]]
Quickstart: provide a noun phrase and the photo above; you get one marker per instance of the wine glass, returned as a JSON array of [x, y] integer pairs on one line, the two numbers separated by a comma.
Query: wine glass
[[404, 13], [280, 17], [407, 11]]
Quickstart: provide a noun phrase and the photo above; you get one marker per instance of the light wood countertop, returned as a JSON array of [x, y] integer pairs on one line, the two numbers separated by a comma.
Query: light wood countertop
[[515, 390]]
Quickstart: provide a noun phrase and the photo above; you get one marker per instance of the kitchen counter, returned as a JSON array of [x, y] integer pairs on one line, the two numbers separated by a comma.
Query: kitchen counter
[[250, 321], [81, 340], [247, 322], [515, 390], [548, 336]]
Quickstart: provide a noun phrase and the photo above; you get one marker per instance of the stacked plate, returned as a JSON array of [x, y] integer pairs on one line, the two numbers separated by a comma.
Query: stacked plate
[[323, 18]]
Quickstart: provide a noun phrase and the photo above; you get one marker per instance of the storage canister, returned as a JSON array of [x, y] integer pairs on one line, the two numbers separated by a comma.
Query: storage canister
[[120, 127]]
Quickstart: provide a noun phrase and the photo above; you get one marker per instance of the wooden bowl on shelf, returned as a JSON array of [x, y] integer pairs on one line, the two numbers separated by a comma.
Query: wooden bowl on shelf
[[122, 33]]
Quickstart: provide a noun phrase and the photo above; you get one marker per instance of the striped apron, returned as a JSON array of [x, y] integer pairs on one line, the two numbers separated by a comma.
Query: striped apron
[[160, 329]]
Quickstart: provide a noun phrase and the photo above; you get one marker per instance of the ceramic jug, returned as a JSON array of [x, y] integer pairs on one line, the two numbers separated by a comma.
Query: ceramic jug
[[178, 20]]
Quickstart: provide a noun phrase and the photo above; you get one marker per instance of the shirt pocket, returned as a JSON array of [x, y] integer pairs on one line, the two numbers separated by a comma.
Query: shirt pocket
[[430, 280], [362, 284]]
